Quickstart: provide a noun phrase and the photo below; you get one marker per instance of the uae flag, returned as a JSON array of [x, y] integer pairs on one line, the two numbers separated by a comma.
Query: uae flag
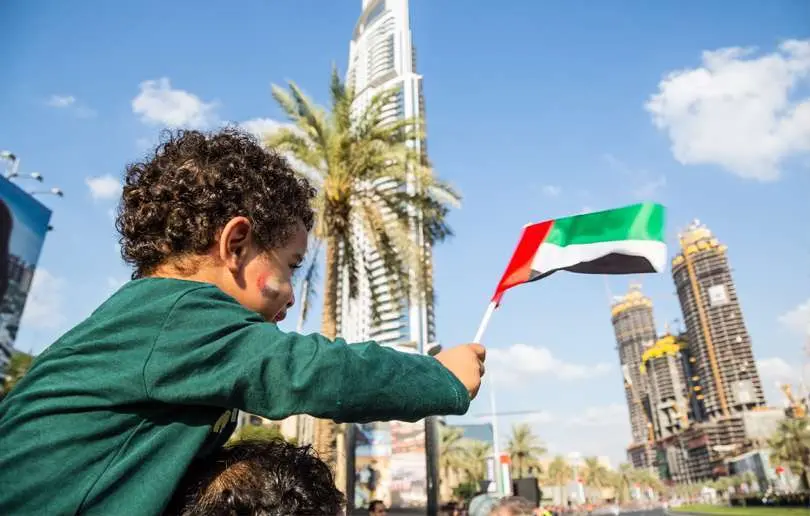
[[627, 240]]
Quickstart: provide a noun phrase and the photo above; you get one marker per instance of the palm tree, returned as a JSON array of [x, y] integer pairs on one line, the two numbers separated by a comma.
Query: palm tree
[[370, 178], [258, 433], [790, 446], [595, 474], [750, 478], [475, 464], [647, 479], [453, 452], [559, 474], [307, 290], [17, 367], [622, 480], [525, 450]]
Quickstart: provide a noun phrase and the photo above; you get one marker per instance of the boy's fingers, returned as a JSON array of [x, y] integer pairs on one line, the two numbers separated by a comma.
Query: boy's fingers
[[480, 351]]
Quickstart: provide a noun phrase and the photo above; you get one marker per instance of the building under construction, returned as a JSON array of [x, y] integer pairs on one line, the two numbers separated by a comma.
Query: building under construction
[[695, 398], [723, 397], [633, 323], [718, 338]]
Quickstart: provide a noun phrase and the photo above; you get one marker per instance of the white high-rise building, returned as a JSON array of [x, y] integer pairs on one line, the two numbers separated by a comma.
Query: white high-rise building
[[381, 58]]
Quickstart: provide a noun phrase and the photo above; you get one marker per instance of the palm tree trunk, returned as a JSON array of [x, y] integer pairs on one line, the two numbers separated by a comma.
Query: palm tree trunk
[[330, 290], [328, 441]]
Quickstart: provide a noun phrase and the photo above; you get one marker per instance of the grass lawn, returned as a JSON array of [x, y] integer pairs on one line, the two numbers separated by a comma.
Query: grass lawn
[[722, 510]]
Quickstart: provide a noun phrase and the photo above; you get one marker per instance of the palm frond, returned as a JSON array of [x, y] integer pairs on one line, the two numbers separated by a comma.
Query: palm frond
[[308, 281], [288, 140]]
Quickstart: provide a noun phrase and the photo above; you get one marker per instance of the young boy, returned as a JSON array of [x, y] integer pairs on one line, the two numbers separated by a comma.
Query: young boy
[[110, 416]]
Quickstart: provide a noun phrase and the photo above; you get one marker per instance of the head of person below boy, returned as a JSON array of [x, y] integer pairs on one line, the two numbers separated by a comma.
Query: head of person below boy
[[513, 506], [377, 508], [258, 478], [218, 209]]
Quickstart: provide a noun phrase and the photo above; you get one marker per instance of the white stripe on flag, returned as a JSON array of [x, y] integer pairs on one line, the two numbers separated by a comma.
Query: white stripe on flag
[[551, 257]]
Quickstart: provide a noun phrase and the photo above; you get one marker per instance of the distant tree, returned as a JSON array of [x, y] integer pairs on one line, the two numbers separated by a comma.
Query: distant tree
[[453, 453], [595, 474], [622, 480], [17, 367], [475, 465], [465, 490], [259, 433], [559, 474], [790, 447], [525, 450]]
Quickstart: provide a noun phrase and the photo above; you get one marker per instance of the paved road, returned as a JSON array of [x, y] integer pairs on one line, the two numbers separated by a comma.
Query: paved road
[[394, 512]]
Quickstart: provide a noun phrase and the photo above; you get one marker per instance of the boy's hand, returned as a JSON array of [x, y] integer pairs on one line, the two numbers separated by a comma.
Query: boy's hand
[[466, 362]]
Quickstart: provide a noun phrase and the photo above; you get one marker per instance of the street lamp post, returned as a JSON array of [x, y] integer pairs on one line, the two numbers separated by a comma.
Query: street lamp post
[[51, 191], [13, 159], [36, 176]]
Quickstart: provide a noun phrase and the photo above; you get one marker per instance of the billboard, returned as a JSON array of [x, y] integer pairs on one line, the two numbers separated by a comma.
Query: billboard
[[390, 464], [23, 225]]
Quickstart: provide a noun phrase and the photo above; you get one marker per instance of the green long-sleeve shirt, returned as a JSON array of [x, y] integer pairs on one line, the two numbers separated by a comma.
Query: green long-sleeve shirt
[[110, 416]]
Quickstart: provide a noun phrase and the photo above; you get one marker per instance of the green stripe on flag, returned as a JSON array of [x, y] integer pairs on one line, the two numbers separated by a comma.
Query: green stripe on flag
[[637, 222]]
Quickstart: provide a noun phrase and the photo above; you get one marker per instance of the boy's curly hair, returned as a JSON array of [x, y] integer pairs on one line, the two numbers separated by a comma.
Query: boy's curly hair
[[175, 202]]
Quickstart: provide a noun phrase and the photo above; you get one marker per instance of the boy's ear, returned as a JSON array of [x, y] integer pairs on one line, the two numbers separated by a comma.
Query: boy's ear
[[234, 243]]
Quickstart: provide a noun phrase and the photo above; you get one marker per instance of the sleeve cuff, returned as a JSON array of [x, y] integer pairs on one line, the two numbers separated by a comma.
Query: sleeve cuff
[[461, 396]]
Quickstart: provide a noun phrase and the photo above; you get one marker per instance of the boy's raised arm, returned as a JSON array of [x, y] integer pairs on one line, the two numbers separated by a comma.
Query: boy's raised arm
[[212, 351]]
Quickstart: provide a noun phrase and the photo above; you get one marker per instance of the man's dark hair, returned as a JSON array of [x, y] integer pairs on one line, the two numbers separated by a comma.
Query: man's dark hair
[[175, 202], [258, 478], [372, 505]]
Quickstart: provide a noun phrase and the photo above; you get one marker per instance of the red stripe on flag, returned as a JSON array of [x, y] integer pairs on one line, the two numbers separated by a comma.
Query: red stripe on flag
[[520, 266]]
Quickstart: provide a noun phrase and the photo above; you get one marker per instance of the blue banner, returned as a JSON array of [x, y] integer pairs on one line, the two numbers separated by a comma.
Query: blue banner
[[23, 226]]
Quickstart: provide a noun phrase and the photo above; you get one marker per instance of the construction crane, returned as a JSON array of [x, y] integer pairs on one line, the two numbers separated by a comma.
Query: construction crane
[[796, 409]]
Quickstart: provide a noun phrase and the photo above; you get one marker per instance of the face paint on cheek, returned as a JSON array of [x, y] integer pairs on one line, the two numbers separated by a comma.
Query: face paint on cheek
[[268, 286]]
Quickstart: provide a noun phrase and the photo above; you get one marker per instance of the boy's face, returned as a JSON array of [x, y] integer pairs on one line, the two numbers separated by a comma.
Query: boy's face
[[262, 280]]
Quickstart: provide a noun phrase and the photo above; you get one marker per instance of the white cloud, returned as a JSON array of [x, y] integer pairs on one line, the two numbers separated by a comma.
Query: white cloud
[[44, 307], [776, 369], [607, 415], [261, 127], [648, 186], [159, 104], [521, 361], [736, 110], [70, 103], [539, 417], [103, 187], [798, 319], [61, 101], [551, 190]]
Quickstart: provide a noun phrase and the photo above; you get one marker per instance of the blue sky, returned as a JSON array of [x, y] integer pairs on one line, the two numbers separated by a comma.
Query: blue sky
[[534, 110]]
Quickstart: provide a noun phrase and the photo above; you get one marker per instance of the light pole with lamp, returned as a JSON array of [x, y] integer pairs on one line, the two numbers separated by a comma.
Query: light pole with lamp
[[13, 159], [36, 176], [51, 191]]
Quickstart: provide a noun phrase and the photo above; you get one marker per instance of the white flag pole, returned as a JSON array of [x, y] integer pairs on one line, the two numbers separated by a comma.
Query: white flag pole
[[484, 323], [495, 446]]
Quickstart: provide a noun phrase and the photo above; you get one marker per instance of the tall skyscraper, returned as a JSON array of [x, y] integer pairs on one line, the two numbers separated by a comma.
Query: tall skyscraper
[[634, 326], [718, 338], [382, 58]]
